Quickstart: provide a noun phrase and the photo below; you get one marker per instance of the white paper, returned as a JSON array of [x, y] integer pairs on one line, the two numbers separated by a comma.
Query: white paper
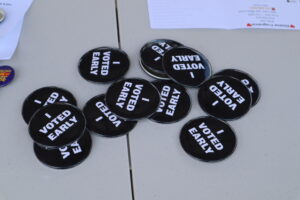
[[15, 11], [229, 14], [9, 42], [11, 27]]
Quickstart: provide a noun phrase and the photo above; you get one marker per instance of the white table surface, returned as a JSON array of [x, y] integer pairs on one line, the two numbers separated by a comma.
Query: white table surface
[[55, 35], [265, 165]]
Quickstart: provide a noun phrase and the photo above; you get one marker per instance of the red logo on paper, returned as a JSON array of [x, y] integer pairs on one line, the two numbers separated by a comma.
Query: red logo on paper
[[292, 26], [249, 25], [273, 9]]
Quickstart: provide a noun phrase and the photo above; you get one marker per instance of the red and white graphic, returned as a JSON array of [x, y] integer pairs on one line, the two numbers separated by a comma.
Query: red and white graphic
[[229, 14]]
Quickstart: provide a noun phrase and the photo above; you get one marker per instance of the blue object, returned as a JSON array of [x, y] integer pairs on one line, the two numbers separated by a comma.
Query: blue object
[[7, 74]]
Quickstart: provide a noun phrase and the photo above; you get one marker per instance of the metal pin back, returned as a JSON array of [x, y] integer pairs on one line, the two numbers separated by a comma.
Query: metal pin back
[[2, 15]]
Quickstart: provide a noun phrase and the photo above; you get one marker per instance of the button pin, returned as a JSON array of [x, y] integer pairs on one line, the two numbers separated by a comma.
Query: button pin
[[2, 15]]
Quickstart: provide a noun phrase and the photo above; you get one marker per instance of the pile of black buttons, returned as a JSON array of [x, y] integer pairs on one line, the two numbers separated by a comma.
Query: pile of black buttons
[[57, 127], [60, 130], [226, 95]]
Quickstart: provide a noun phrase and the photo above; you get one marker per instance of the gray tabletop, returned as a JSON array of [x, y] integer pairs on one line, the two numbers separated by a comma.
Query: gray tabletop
[[265, 165], [55, 35], [266, 162]]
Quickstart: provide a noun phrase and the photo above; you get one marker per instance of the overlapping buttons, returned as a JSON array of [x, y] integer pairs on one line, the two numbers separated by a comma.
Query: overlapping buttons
[[246, 79], [174, 104], [186, 66], [224, 97], [151, 55], [102, 121], [57, 125], [132, 98], [43, 97], [67, 156], [59, 129]]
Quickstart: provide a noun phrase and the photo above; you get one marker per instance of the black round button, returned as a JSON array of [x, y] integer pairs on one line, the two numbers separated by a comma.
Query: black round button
[[57, 125], [208, 139], [102, 121], [104, 64], [224, 97], [174, 104], [67, 156], [43, 97], [151, 55], [132, 98], [154, 74], [246, 79], [186, 66]]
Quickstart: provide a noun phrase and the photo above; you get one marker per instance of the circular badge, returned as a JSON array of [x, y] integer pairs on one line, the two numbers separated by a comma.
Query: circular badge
[[43, 97], [207, 139], [224, 97], [246, 79], [151, 55], [186, 66], [174, 104], [57, 125], [154, 74], [104, 64], [7, 74], [67, 156], [102, 121], [132, 98]]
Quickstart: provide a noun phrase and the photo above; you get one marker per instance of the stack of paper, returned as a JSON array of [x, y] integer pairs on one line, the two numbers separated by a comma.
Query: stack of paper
[[229, 14]]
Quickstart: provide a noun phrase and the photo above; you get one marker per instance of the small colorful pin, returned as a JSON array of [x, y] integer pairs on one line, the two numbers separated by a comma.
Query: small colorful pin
[[7, 74]]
